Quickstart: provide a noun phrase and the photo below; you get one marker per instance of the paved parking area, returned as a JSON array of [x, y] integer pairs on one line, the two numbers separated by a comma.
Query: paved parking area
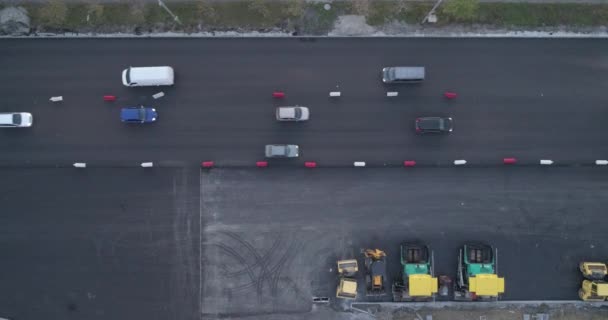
[[114, 243], [271, 236]]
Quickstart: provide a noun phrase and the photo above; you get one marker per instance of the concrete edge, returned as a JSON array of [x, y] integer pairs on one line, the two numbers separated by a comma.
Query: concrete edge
[[271, 35], [481, 305]]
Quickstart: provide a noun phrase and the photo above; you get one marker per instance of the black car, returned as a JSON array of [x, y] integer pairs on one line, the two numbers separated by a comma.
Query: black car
[[434, 125]]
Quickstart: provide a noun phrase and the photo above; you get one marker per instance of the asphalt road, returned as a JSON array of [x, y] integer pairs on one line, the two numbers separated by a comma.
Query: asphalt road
[[531, 99], [101, 244]]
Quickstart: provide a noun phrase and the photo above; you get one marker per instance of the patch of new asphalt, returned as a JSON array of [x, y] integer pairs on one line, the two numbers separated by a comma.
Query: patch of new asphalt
[[99, 244]]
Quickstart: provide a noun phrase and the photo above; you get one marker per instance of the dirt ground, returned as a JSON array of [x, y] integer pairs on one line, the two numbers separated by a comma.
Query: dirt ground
[[440, 311], [574, 311]]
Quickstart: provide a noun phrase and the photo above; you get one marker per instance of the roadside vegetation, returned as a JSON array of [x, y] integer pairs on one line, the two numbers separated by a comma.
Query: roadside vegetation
[[296, 16], [493, 14]]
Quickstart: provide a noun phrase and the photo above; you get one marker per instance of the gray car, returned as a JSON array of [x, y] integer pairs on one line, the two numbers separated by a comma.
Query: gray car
[[282, 151]]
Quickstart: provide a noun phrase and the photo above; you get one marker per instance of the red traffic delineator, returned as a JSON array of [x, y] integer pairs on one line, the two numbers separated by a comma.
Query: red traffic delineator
[[310, 164], [409, 163], [509, 160], [207, 164], [450, 95], [278, 94], [261, 164], [109, 98]]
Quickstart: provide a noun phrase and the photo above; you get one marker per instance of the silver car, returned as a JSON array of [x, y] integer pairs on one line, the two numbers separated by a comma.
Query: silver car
[[282, 151], [293, 113]]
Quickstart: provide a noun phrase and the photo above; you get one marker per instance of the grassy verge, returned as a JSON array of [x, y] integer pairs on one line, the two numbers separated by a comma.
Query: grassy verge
[[496, 14], [317, 20], [308, 17], [381, 12], [537, 15]]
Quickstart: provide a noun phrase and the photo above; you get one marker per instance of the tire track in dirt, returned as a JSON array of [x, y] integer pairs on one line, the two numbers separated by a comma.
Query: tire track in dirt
[[258, 260], [243, 261], [266, 256], [288, 255]]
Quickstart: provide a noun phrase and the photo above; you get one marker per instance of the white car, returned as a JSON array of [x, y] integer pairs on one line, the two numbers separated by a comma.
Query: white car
[[294, 113], [16, 120]]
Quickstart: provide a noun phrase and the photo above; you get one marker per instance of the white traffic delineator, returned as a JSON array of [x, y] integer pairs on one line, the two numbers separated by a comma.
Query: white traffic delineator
[[460, 162], [56, 99], [359, 163], [546, 162], [158, 95], [334, 94], [392, 94], [147, 164], [80, 165], [601, 162]]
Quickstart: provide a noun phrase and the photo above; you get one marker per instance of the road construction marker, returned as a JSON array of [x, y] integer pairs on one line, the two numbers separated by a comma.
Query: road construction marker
[[409, 163], [261, 164], [450, 95], [509, 160], [310, 164]]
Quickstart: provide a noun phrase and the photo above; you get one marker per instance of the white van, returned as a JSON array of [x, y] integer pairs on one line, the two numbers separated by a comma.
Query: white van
[[147, 76], [402, 74]]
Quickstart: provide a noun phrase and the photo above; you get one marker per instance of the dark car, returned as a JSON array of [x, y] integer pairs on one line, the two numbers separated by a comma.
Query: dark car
[[138, 114], [434, 125]]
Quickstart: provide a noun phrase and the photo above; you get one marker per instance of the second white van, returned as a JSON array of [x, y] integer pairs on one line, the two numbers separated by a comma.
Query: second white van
[[402, 74], [147, 76]]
